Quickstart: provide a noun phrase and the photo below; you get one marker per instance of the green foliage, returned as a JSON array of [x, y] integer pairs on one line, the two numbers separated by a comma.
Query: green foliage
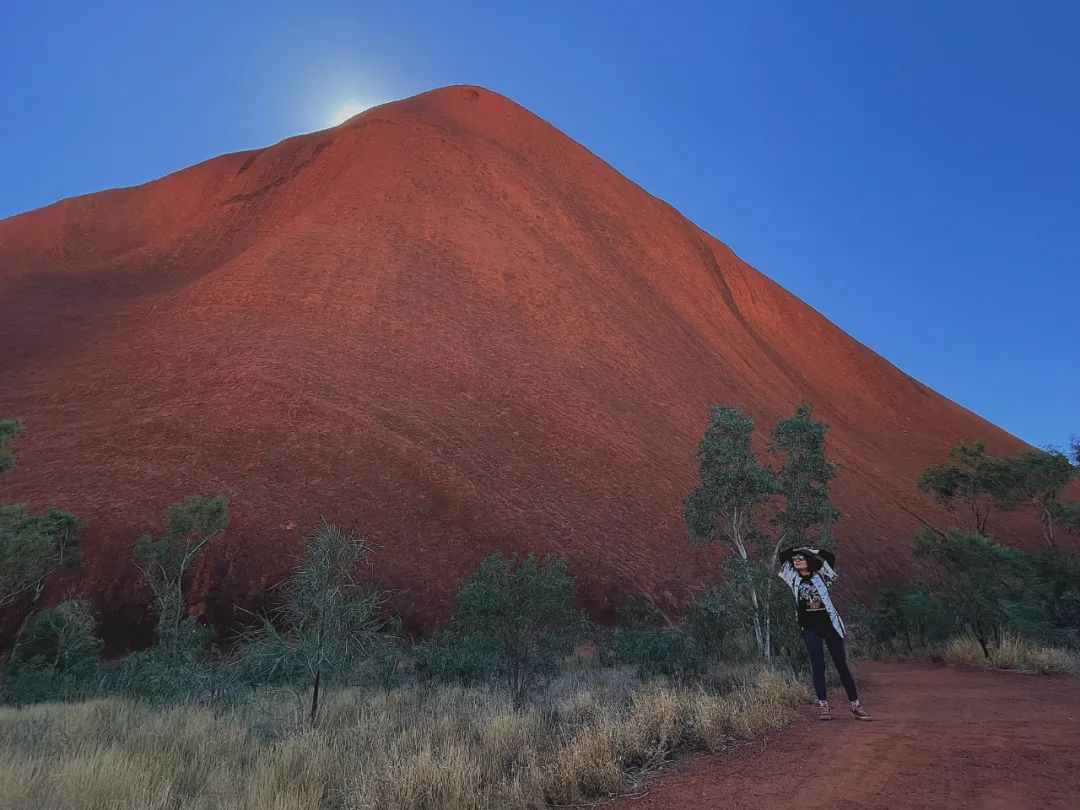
[[709, 623], [915, 618], [653, 650], [515, 621], [198, 517], [643, 640], [991, 591], [162, 673], [454, 654], [167, 562], [971, 481], [658, 652], [733, 487], [1037, 479], [33, 547], [1067, 513], [974, 481], [988, 587], [1061, 574], [58, 657], [386, 664], [62, 638], [804, 481], [735, 493], [326, 625], [9, 429]]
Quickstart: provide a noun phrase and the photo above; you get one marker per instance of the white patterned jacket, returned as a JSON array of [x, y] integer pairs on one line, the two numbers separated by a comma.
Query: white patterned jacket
[[822, 579]]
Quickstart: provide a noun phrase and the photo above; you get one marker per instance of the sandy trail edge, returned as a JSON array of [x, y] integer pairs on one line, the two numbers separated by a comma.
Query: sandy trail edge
[[943, 738]]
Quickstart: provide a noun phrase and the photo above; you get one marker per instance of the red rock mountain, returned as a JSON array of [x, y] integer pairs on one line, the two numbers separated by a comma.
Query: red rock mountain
[[442, 322]]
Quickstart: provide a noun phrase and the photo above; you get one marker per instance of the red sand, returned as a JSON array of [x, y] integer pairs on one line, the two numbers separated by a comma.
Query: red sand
[[445, 323], [942, 738]]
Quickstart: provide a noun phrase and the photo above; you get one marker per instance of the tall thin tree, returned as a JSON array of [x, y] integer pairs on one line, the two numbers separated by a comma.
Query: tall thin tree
[[326, 622]]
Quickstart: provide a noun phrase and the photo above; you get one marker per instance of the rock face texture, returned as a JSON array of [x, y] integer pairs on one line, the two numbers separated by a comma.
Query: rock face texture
[[446, 324]]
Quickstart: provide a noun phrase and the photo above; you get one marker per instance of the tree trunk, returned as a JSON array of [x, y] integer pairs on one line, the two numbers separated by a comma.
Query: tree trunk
[[315, 697], [1048, 527], [980, 636], [768, 626], [318, 666], [17, 640], [759, 636], [740, 547]]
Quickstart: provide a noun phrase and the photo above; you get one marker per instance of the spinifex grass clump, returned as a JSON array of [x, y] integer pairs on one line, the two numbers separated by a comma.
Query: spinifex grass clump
[[585, 736]]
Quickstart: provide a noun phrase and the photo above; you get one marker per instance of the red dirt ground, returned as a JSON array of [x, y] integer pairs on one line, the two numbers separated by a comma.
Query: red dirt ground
[[943, 738], [443, 322]]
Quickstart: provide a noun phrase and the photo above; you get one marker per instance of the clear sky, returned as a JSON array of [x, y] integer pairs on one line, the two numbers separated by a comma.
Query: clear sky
[[912, 170]]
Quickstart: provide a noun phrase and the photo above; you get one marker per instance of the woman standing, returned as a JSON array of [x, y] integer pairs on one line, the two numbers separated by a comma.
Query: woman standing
[[809, 573]]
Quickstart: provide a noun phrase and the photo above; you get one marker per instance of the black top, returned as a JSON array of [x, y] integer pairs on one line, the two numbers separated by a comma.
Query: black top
[[811, 608]]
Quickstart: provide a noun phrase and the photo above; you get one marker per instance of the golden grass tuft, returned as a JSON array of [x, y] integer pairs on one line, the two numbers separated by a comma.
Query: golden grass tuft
[[1012, 652]]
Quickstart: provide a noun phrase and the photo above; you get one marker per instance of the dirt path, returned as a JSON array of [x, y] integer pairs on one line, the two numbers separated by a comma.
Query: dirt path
[[943, 738]]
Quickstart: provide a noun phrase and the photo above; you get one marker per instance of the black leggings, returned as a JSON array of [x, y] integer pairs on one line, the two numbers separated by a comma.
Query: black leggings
[[813, 640]]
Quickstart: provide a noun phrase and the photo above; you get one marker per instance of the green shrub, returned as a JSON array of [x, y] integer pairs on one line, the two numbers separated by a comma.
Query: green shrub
[[166, 672], [458, 656], [9, 429], [57, 658], [709, 624], [653, 650], [989, 589], [904, 621], [515, 621], [1061, 573]]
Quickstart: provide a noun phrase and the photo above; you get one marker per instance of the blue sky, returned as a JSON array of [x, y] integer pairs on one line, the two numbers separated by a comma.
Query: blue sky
[[912, 170]]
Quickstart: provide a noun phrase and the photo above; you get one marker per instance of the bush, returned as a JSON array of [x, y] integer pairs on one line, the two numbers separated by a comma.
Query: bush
[[167, 672], [58, 657], [514, 621], [1061, 574], [903, 621], [459, 656], [653, 650], [989, 588], [709, 624], [995, 597]]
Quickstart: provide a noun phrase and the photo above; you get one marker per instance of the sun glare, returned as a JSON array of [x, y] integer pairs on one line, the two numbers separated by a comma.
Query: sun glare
[[347, 111]]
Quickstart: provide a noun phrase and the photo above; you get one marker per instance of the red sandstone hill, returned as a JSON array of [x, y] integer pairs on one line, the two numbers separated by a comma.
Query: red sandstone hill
[[445, 323]]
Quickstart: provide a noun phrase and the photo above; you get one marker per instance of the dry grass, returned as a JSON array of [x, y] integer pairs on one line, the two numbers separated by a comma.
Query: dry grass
[[1012, 653], [592, 735]]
